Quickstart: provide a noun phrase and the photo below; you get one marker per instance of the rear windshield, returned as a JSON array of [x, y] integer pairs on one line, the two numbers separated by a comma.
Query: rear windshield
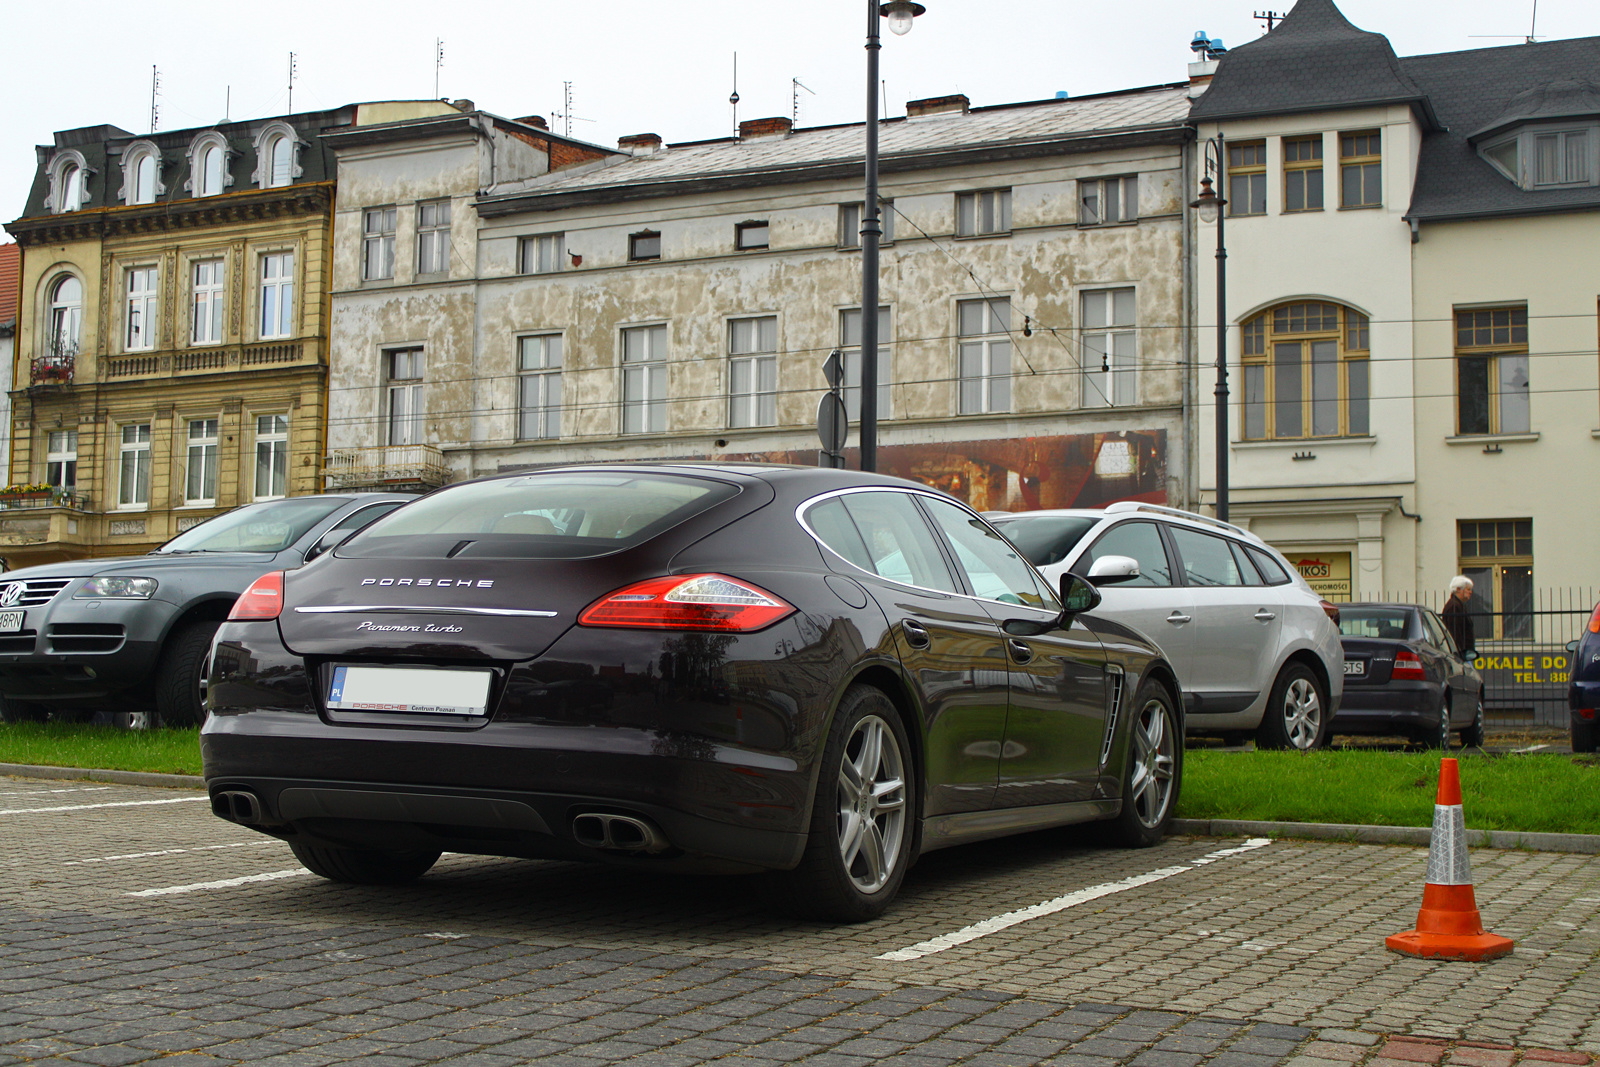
[[1391, 623], [269, 527], [539, 516], [1045, 539]]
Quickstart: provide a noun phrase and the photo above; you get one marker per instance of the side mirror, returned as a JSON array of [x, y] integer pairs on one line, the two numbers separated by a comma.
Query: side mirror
[[1109, 570], [1572, 646], [1077, 596], [328, 542]]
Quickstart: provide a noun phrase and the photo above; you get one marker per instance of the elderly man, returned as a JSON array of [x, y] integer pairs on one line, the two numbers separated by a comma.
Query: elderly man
[[1456, 619]]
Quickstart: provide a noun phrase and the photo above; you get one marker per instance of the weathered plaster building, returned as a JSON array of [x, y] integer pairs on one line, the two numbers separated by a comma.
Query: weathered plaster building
[[680, 301], [171, 357], [10, 284], [1412, 298]]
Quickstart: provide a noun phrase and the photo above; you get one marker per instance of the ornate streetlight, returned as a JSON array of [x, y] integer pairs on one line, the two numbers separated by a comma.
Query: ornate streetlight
[[899, 13], [1209, 205]]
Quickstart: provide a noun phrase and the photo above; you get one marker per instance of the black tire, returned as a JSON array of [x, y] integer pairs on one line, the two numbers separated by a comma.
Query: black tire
[[1585, 735], [1475, 735], [1441, 736], [181, 674], [1153, 773], [23, 711], [362, 866], [1296, 715], [863, 817]]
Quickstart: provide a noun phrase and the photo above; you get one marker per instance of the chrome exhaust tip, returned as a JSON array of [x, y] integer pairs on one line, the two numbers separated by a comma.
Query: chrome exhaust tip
[[238, 806], [618, 833]]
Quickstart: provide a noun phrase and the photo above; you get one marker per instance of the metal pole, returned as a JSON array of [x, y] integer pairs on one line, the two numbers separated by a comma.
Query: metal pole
[[870, 232], [1222, 333]]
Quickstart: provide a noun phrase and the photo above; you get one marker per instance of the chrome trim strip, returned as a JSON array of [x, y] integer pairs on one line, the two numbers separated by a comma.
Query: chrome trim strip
[[401, 609]]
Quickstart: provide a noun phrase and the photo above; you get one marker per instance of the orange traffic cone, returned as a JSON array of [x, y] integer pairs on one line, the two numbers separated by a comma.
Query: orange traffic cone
[[1448, 925]]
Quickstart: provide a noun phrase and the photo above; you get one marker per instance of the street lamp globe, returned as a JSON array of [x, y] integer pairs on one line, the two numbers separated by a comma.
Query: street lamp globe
[[1209, 205], [900, 13]]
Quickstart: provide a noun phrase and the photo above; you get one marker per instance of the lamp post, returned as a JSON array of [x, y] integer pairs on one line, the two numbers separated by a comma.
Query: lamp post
[[899, 13], [1210, 205]]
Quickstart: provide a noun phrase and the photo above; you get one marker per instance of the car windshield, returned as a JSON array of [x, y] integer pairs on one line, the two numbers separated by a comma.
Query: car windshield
[[1045, 539], [557, 515], [1390, 623], [268, 527]]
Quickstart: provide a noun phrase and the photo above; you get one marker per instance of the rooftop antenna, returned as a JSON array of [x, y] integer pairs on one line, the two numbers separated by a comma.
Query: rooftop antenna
[[1269, 17], [565, 114], [1532, 38], [797, 86], [438, 61], [294, 69], [1533, 24], [227, 104], [734, 98], [155, 88]]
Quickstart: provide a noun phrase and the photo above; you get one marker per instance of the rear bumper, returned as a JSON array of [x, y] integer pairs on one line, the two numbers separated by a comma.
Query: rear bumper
[[1389, 706], [1584, 696]]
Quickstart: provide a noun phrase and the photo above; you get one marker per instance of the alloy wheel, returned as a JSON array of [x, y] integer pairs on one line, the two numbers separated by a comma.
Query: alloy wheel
[[1302, 713], [872, 803], [1154, 760]]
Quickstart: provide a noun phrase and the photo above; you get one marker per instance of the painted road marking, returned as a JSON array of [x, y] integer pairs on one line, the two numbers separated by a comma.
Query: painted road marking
[[1530, 748], [170, 852], [36, 792], [1061, 903], [223, 883], [108, 804]]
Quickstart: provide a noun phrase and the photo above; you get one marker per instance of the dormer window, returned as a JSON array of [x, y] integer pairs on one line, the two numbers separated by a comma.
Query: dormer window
[[141, 174], [208, 165], [69, 176], [1544, 158], [277, 156]]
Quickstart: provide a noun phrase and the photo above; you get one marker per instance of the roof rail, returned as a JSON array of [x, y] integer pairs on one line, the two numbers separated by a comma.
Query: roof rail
[[1123, 506]]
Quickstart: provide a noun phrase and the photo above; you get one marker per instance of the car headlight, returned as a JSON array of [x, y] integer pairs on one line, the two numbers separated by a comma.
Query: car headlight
[[116, 587]]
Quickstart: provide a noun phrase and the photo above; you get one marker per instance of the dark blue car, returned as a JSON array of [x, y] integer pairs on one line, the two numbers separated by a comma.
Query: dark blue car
[[1403, 674], [1583, 696]]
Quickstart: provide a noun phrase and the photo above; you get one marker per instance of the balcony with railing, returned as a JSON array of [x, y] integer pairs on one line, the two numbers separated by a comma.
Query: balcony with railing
[[56, 367], [385, 467], [209, 360]]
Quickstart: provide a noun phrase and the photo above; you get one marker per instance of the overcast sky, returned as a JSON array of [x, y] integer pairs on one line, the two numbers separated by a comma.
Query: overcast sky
[[660, 66]]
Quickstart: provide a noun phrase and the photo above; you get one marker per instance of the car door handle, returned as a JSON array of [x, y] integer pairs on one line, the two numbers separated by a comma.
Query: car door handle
[[1178, 618], [916, 635], [1021, 651], [1265, 616]]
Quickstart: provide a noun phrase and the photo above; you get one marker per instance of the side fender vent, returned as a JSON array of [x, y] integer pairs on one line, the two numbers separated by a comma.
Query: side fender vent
[[1115, 682]]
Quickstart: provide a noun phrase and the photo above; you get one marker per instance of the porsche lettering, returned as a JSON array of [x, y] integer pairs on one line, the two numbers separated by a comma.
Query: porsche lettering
[[436, 583]]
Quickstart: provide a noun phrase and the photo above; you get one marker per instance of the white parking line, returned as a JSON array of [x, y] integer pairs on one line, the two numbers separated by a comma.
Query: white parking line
[[170, 852], [74, 789], [108, 804], [222, 883], [1530, 748], [1061, 903]]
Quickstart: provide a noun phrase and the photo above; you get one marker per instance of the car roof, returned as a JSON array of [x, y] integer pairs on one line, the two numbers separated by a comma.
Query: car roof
[[1125, 508], [788, 475]]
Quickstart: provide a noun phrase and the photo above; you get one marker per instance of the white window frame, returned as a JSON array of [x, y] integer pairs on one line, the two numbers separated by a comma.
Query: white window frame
[[1095, 195], [377, 244], [268, 174], [983, 213], [753, 371], [141, 308], [208, 286], [134, 190], [643, 357], [199, 184], [66, 318], [200, 469], [850, 353], [61, 460], [272, 456], [539, 361], [983, 356], [541, 253], [433, 237], [276, 295], [65, 194], [1109, 346], [133, 466], [405, 397]]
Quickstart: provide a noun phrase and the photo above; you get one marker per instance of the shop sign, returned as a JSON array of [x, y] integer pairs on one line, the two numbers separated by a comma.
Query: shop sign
[[1328, 573]]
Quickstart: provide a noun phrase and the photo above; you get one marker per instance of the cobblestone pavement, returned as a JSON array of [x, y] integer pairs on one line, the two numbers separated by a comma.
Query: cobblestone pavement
[[135, 926]]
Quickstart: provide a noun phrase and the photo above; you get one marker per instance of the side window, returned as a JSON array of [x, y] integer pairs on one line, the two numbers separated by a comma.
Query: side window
[[1207, 561], [994, 569], [1270, 568], [1142, 541], [1437, 634], [898, 542], [832, 523], [358, 520], [1246, 570]]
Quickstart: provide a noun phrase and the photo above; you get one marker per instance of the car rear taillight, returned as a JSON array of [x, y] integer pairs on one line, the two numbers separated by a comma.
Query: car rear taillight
[[1407, 665], [687, 602], [1594, 620], [1330, 610], [263, 600]]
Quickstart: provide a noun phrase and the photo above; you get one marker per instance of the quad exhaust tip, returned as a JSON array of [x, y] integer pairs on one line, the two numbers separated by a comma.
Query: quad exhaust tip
[[618, 833], [238, 806]]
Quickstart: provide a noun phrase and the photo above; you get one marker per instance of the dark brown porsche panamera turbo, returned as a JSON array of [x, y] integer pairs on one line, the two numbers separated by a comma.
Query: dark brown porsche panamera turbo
[[709, 667]]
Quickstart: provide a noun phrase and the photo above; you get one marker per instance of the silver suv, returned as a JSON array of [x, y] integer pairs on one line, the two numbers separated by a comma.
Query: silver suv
[[1256, 651]]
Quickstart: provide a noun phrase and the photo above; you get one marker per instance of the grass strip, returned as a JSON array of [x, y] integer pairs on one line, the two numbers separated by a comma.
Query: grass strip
[[172, 751], [1531, 793]]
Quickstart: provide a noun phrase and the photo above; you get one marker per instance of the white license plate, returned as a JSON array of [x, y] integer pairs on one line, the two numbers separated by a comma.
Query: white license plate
[[409, 690], [1355, 666], [11, 621]]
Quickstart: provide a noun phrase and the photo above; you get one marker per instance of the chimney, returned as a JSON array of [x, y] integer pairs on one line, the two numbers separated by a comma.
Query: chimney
[[937, 105], [754, 129], [463, 105], [640, 144], [1200, 75], [536, 121]]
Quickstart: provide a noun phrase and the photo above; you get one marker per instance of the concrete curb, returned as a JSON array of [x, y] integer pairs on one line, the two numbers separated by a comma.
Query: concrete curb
[[1586, 844], [169, 781]]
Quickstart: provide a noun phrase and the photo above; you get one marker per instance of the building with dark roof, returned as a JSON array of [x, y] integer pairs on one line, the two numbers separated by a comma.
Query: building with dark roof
[[1411, 310]]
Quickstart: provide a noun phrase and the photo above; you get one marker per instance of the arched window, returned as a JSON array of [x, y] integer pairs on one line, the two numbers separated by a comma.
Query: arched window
[[279, 156], [144, 180], [69, 181], [210, 171], [1306, 372], [208, 165], [277, 149], [72, 188], [141, 174], [66, 316]]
